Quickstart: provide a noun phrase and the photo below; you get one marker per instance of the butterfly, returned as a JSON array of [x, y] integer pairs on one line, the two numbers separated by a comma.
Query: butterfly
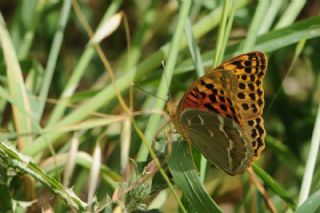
[[221, 113]]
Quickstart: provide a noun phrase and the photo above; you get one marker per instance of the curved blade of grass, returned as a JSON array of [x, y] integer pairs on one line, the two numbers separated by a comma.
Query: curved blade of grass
[[186, 177], [312, 204], [274, 186], [16, 86]]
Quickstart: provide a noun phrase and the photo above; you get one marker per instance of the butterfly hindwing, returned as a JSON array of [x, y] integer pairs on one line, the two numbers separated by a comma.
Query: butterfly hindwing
[[254, 129], [209, 119], [220, 140]]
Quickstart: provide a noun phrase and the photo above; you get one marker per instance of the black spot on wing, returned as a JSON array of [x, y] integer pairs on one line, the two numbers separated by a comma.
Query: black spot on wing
[[252, 96], [242, 86], [223, 107], [247, 63], [222, 99], [189, 99], [213, 98], [248, 70], [245, 106], [241, 95], [251, 86]]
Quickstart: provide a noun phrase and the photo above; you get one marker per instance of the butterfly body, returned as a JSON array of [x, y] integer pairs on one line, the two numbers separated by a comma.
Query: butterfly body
[[221, 113]]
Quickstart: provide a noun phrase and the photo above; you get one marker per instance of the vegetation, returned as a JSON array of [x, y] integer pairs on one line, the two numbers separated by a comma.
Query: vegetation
[[84, 86]]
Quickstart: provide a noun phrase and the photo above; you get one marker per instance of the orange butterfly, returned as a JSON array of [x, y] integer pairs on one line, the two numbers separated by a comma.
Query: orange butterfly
[[221, 113]]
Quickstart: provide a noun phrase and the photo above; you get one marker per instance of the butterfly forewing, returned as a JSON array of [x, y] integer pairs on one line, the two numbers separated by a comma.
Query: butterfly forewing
[[220, 140], [250, 69], [215, 92]]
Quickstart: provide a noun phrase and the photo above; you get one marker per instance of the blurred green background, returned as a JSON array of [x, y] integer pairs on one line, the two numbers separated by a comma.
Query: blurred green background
[[67, 102]]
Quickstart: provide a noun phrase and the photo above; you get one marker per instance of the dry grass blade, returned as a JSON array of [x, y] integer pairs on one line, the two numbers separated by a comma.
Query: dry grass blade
[[262, 190]]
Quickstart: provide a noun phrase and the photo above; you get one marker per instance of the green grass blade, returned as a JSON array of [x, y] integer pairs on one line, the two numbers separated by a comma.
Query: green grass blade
[[78, 72], [311, 162], [228, 29], [186, 177], [269, 42], [274, 186], [258, 19], [194, 49], [53, 56], [222, 34], [312, 204], [16, 86], [152, 125], [291, 13], [197, 61], [71, 86], [271, 13], [284, 155], [28, 37]]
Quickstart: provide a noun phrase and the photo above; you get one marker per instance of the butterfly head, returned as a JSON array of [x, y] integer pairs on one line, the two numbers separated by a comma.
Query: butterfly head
[[171, 108]]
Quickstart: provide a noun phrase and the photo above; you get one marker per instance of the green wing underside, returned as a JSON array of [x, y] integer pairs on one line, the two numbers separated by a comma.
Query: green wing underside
[[219, 139]]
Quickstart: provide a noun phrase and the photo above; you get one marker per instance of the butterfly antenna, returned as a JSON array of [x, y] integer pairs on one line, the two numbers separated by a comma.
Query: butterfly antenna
[[137, 86], [167, 82]]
